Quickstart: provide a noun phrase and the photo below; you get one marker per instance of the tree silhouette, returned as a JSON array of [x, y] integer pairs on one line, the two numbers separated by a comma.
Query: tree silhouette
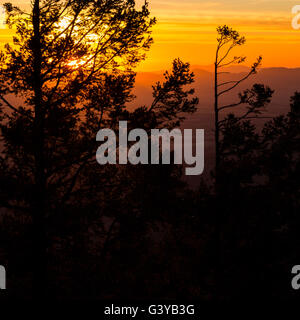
[[86, 230], [230, 135], [63, 50], [259, 187], [229, 39], [68, 74]]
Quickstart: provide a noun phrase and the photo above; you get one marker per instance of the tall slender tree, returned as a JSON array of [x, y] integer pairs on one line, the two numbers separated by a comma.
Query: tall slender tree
[[254, 99], [64, 57], [228, 39]]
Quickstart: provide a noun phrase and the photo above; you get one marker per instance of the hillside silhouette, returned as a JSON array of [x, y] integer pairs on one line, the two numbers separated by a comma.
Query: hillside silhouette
[[284, 81]]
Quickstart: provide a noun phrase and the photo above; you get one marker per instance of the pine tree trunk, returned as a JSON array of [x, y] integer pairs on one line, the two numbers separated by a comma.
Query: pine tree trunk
[[217, 131], [39, 207], [218, 212]]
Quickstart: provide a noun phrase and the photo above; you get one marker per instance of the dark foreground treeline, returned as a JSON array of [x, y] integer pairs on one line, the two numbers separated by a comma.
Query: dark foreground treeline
[[143, 234], [71, 228]]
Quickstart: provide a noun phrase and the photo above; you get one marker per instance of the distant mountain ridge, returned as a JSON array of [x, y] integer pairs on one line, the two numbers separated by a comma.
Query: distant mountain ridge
[[285, 81]]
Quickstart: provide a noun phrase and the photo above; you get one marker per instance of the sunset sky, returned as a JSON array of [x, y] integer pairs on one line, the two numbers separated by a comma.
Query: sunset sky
[[186, 29]]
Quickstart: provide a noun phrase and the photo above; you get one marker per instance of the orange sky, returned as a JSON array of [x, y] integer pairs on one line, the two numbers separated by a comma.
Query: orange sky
[[186, 29]]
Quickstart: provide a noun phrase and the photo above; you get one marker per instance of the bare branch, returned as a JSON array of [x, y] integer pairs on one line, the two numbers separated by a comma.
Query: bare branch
[[253, 71], [13, 108], [225, 83], [236, 60], [226, 54], [231, 105]]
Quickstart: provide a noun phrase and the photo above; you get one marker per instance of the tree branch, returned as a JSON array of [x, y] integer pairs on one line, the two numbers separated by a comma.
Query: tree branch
[[238, 82], [13, 108]]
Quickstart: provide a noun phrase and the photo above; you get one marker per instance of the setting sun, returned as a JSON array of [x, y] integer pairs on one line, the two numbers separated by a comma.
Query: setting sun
[[76, 63], [187, 30]]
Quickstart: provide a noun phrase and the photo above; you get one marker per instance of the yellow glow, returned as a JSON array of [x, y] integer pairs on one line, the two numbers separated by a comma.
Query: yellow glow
[[76, 63], [187, 29], [64, 23]]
